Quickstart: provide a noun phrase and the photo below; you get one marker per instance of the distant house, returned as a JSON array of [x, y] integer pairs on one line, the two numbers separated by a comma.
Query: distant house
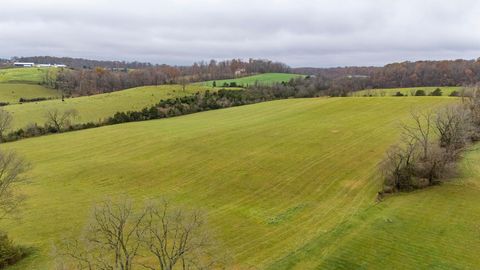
[[50, 65], [23, 64], [28, 64], [240, 72], [357, 76]]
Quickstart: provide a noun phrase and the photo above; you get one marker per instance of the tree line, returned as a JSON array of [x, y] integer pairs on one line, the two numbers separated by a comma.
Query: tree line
[[79, 82], [405, 74], [87, 81]]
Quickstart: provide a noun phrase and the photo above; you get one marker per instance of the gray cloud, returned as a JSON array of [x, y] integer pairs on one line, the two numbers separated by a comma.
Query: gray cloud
[[297, 32]]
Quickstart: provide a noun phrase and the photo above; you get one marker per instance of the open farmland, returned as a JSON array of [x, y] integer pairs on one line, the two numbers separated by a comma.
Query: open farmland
[[31, 75], [12, 92], [261, 79], [407, 91], [285, 183], [435, 228], [97, 107]]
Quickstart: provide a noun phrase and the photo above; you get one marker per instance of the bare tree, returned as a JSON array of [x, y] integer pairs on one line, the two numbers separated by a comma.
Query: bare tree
[[421, 130], [60, 120], [438, 165], [5, 123], [398, 166], [176, 238], [111, 240], [453, 125], [183, 81], [118, 238], [12, 169], [472, 102]]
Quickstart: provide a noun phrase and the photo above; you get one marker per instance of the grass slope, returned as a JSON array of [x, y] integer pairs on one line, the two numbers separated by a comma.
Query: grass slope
[[32, 75], [435, 228], [96, 107], [12, 92], [263, 79], [408, 91], [272, 177]]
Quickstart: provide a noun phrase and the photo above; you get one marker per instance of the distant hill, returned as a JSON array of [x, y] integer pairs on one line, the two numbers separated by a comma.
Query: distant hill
[[82, 63], [12, 92], [23, 75], [261, 79], [96, 107]]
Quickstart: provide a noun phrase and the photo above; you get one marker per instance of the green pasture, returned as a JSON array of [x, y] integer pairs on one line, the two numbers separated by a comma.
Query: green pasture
[[97, 107], [27, 74], [12, 92], [261, 79], [407, 91], [288, 184]]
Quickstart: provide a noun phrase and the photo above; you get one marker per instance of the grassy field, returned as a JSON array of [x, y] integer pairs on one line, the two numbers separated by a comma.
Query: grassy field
[[407, 91], [435, 228], [286, 184], [263, 79], [12, 92], [95, 108], [32, 75]]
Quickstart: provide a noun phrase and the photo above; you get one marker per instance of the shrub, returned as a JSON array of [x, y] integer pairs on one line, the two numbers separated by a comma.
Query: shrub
[[398, 94], [436, 92], [420, 92], [454, 94], [23, 100], [10, 253]]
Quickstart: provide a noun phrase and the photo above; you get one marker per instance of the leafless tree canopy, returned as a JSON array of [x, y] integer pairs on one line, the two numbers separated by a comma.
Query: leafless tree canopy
[[5, 122], [175, 237], [421, 130], [454, 127], [120, 237], [12, 169], [60, 120], [398, 166]]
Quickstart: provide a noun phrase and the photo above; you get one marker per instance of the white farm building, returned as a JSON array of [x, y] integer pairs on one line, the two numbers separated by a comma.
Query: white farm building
[[28, 64], [23, 64]]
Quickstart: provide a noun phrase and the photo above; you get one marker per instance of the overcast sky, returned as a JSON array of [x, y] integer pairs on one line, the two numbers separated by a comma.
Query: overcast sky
[[298, 32]]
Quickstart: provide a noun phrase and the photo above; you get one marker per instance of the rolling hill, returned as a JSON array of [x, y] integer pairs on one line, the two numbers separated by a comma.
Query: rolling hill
[[435, 228], [288, 184], [262, 79], [12, 92], [30, 75], [407, 91], [95, 108]]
